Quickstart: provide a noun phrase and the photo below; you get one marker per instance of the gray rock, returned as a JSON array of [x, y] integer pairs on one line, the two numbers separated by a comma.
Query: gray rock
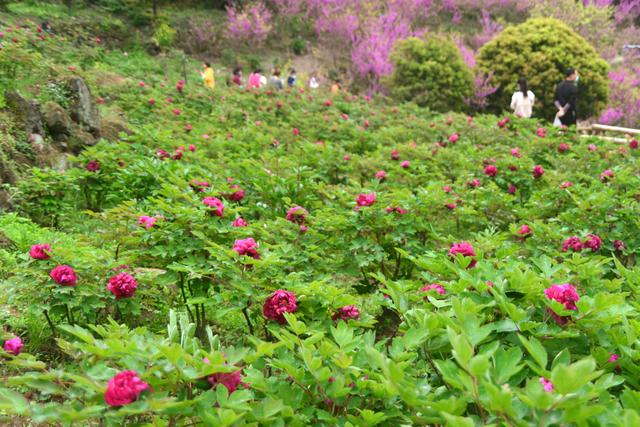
[[79, 139], [58, 121], [83, 110], [26, 112]]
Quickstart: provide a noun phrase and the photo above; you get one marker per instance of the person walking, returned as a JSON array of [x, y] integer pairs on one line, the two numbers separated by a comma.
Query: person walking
[[275, 80], [291, 80], [237, 76], [254, 79], [566, 98], [522, 100], [207, 76]]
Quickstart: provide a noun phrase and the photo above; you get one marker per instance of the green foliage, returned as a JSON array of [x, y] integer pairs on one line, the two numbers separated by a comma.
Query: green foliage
[[541, 50], [431, 73], [298, 46], [165, 35]]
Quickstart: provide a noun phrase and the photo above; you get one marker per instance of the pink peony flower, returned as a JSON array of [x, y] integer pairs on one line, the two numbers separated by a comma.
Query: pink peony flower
[[147, 221], [214, 202], [41, 252], [572, 243], [541, 132], [593, 242], [381, 175], [122, 285], [633, 144], [562, 148], [124, 388], [618, 245], [613, 358], [188, 128], [63, 275], [192, 148], [239, 222], [454, 138], [512, 189], [162, 154], [565, 294], [475, 183], [297, 215], [346, 158], [176, 111], [447, 189], [546, 385], [538, 171], [247, 247], [434, 287], [515, 152], [395, 155], [199, 186], [93, 166], [13, 346], [142, 84], [366, 199], [592, 147], [566, 184], [490, 170], [450, 206], [152, 101], [525, 231], [606, 175], [296, 131], [464, 249], [231, 380], [347, 312], [277, 304], [405, 164]]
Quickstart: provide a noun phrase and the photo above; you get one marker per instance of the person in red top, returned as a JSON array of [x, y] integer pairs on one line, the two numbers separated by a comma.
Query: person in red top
[[237, 76]]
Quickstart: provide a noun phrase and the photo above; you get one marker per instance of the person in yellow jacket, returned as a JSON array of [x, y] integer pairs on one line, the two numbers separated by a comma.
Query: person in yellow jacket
[[207, 76]]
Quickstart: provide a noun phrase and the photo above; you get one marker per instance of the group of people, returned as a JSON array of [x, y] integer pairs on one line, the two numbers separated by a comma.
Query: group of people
[[257, 80], [522, 101], [565, 100]]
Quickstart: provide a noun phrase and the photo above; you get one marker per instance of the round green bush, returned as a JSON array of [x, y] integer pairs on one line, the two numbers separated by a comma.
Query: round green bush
[[541, 50], [430, 72]]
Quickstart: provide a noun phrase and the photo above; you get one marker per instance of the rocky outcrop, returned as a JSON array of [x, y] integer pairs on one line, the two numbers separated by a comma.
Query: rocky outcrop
[[82, 109], [58, 121], [27, 113], [111, 128]]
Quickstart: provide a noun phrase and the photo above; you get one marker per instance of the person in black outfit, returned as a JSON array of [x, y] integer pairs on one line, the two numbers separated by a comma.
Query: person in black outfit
[[567, 97]]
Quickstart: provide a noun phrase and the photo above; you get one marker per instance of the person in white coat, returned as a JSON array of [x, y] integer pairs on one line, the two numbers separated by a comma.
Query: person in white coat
[[522, 100]]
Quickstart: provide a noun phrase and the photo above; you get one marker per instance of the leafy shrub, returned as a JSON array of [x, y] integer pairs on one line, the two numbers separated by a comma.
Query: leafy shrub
[[541, 50], [430, 72], [165, 35], [298, 46], [200, 36]]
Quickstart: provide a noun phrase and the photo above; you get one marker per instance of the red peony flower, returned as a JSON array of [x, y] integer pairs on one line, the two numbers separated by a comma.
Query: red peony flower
[[124, 388], [538, 171], [239, 222], [247, 247], [347, 312], [41, 252], [122, 285], [93, 166], [565, 294], [465, 249], [593, 242], [63, 275], [214, 202], [490, 170], [297, 215], [13, 346], [434, 287], [277, 304], [572, 243]]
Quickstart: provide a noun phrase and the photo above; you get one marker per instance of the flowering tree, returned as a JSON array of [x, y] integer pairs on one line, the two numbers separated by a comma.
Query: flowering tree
[[251, 24]]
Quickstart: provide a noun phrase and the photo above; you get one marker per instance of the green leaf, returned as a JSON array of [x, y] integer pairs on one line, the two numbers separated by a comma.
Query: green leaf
[[536, 350], [570, 378], [13, 403]]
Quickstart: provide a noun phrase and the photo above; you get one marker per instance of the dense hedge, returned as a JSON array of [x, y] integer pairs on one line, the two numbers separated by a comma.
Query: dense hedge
[[541, 50], [430, 72]]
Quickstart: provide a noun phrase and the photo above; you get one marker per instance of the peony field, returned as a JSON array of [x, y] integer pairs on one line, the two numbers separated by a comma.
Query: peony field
[[394, 247]]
